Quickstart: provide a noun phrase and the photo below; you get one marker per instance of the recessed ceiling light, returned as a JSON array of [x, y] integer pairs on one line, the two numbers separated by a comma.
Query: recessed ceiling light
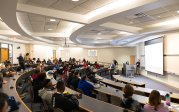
[[131, 22], [52, 20], [75, 0], [178, 11], [158, 16], [50, 29], [99, 33], [124, 33]]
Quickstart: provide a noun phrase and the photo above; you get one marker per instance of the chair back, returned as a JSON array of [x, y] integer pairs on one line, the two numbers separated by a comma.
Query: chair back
[[80, 91], [58, 110]]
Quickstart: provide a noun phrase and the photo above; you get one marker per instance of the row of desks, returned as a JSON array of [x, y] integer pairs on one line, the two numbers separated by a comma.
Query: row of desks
[[121, 79], [128, 81], [138, 90], [118, 94]]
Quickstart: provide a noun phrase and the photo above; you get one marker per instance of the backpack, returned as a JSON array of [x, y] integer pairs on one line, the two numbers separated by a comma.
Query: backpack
[[12, 103]]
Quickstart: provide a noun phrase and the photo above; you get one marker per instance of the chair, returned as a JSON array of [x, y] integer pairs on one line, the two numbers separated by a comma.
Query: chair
[[80, 91], [102, 97], [115, 100], [46, 107], [72, 87], [58, 110]]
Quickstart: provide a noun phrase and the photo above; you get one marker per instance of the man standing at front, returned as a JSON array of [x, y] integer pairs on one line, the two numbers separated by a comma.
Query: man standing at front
[[138, 67]]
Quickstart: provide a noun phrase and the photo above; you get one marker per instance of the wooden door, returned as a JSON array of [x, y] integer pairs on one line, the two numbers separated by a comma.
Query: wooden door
[[132, 59], [4, 54], [54, 54]]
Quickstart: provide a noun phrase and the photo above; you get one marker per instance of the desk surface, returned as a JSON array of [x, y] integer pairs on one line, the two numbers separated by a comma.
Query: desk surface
[[13, 92], [95, 105], [128, 81], [118, 93]]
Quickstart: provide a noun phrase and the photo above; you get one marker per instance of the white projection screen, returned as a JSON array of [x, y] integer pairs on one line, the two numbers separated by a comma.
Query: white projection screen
[[154, 56]]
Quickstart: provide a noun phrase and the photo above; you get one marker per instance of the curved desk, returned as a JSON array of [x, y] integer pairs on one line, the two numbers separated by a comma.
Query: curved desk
[[86, 103], [128, 81], [13, 92]]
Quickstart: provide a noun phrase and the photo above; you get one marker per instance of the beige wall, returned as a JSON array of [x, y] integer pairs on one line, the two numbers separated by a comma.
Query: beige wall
[[171, 53], [121, 54], [171, 60], [103, 54]]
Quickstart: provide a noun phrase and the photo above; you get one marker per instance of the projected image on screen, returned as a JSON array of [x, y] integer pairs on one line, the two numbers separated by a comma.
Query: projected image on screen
[[154, 57]]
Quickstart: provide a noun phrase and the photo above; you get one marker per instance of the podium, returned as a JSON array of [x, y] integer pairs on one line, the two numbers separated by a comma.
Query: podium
[[129, 70]]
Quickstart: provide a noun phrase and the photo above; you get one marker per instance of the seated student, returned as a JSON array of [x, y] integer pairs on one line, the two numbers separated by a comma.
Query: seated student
[[96, 65], [155, 104], [70, 77], [85, 64], [75, 80], [46, 93], [49, 62], [38, 61], [3, 102], [33, 59], [8, 71], [35, 73], [38, 84], [7, 62], [44, 61], [86, 87], [60, 60], [127, 101], [30, 61], [67, 103]]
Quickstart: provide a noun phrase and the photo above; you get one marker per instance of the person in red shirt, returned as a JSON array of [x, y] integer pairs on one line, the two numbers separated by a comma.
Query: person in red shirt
[[85, 64], [96, 65]]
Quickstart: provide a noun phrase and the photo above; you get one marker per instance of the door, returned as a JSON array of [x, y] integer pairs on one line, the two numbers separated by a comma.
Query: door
[[54, 54], [132, 59], [4, 54]]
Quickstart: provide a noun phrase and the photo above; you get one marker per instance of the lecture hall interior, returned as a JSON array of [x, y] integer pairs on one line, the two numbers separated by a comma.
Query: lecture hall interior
[[89, 55]]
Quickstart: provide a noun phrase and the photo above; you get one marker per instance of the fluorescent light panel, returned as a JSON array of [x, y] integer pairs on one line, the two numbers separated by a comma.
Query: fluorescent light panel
[[170, 22], [52, 20], [50, 29], [111, 6], [75, 0], [124, 33]]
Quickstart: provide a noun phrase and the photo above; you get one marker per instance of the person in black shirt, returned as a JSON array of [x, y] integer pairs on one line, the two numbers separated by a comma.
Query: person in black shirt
[[138, 67], [75, 80], [115, 62], [38, 61], [127, 101], [21, 62], [38, 84], [8, 71], [67, 103], [44, 61]]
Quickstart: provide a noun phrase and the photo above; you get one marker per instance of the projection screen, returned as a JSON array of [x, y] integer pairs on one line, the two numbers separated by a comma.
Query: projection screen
[[154, 56]]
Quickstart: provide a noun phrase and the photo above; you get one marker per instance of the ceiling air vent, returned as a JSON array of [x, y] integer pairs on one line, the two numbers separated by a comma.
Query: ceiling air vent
[[141, 17]]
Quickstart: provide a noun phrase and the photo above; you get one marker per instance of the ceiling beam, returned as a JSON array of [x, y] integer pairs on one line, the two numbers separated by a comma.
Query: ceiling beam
[[121, 27], [42, 34], [72, 17], [8, 32]]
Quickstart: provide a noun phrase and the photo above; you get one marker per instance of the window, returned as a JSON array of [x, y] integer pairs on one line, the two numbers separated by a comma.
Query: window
[[92, 52], [4, 45]]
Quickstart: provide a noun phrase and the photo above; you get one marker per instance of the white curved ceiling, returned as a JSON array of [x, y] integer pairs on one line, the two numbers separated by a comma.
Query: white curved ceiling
[[87, 22]]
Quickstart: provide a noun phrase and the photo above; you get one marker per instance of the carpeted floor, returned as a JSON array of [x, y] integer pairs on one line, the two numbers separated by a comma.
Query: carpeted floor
[[149, 83]]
